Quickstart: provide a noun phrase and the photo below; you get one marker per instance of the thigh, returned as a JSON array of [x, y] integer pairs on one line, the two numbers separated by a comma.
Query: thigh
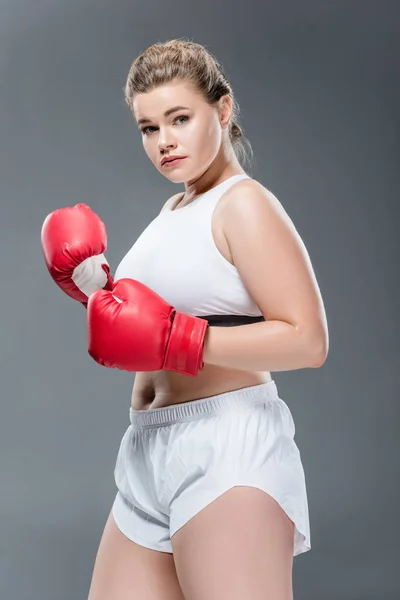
[[239, 546], [125, 570]]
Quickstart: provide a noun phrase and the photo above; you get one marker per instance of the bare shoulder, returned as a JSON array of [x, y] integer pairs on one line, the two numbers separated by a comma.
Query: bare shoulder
[[249, 199], [248, 188], [171, 201]]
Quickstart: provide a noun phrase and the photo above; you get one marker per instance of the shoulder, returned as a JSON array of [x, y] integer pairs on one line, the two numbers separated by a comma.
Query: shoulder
[[171, 201], [249, 202], [245, 194]]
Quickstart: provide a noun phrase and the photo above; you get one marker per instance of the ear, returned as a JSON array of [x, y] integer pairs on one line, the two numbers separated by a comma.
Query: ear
[[225, 111]]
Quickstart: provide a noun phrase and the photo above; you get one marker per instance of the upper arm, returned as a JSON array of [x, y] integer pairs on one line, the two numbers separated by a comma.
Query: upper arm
[[272, 260]]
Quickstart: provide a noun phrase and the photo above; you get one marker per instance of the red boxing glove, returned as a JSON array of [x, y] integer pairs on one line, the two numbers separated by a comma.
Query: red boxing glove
[[133, 329], [73, 242]]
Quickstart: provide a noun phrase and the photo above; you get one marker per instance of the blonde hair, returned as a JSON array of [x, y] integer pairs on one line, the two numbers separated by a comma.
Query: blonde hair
[[185, 60]]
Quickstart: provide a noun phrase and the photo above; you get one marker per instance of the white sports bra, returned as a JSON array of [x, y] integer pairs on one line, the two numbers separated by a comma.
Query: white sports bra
[[176, 257]]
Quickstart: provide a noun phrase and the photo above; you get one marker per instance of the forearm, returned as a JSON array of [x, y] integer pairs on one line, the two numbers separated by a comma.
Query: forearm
[[266, 346]]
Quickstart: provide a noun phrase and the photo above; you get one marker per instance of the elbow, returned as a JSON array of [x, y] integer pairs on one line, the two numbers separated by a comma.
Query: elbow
[[320, 353], [317, 349], [319, 361]]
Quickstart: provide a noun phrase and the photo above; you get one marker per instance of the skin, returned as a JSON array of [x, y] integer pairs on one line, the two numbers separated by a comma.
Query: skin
[[201, 134], [241, 544]]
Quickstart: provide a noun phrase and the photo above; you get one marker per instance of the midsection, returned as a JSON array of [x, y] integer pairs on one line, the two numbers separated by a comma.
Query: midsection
[[162, 388]]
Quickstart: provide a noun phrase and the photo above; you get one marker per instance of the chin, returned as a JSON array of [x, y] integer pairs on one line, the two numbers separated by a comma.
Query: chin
[[176, 179], [176, 176]]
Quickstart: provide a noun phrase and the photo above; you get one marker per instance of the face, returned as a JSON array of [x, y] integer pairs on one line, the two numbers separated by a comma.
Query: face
[[195, 131]]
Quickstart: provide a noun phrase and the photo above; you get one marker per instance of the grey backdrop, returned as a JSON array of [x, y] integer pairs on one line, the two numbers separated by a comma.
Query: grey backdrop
[[318, 85]]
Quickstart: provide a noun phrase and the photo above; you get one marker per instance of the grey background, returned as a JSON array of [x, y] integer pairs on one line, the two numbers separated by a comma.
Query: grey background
[[317, 82]]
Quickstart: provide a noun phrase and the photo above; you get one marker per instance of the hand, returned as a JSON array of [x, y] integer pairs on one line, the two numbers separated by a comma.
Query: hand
[[133, 329], [73, 241]]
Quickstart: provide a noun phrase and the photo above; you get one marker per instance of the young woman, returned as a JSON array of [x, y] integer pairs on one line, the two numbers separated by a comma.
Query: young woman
[[217, 293]]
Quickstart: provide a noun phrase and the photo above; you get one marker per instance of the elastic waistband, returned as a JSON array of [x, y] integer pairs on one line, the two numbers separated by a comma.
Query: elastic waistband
[[205, 407]]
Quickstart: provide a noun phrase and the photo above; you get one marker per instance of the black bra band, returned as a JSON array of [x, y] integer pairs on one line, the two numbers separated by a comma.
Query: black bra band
[[230, 320]]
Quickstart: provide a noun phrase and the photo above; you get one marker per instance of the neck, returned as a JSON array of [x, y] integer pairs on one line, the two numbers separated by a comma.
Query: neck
[[212, 177]]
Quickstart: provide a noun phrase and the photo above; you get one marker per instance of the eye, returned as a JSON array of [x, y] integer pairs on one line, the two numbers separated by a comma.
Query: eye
[[182, 117], [144, 130]]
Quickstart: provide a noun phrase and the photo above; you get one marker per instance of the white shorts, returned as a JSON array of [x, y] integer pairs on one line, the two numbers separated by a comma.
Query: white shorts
[[174, 461]]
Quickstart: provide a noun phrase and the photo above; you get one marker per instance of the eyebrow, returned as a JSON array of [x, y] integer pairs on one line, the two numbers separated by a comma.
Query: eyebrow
[[166, 114]]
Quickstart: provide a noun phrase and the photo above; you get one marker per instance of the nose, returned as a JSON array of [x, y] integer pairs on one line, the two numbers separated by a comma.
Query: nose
[[165, 142], [164, 147]]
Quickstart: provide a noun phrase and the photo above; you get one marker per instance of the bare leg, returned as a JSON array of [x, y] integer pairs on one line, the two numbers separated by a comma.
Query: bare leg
[[239, 546], [124, 570]]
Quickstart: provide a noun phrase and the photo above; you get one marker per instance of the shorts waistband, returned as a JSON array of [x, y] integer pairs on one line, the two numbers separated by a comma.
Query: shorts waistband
[[205, 407]]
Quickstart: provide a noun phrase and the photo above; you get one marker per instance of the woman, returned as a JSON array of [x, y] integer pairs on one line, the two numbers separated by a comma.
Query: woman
[[215, 294]]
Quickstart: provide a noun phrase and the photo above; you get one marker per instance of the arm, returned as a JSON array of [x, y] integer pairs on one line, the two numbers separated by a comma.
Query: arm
[[275, 268]]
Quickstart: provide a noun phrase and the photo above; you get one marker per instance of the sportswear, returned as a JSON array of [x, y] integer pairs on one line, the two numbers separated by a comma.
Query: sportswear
[[176, 257]]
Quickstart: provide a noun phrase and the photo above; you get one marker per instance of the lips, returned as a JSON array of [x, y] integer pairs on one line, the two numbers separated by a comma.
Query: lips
[[171, 159]]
